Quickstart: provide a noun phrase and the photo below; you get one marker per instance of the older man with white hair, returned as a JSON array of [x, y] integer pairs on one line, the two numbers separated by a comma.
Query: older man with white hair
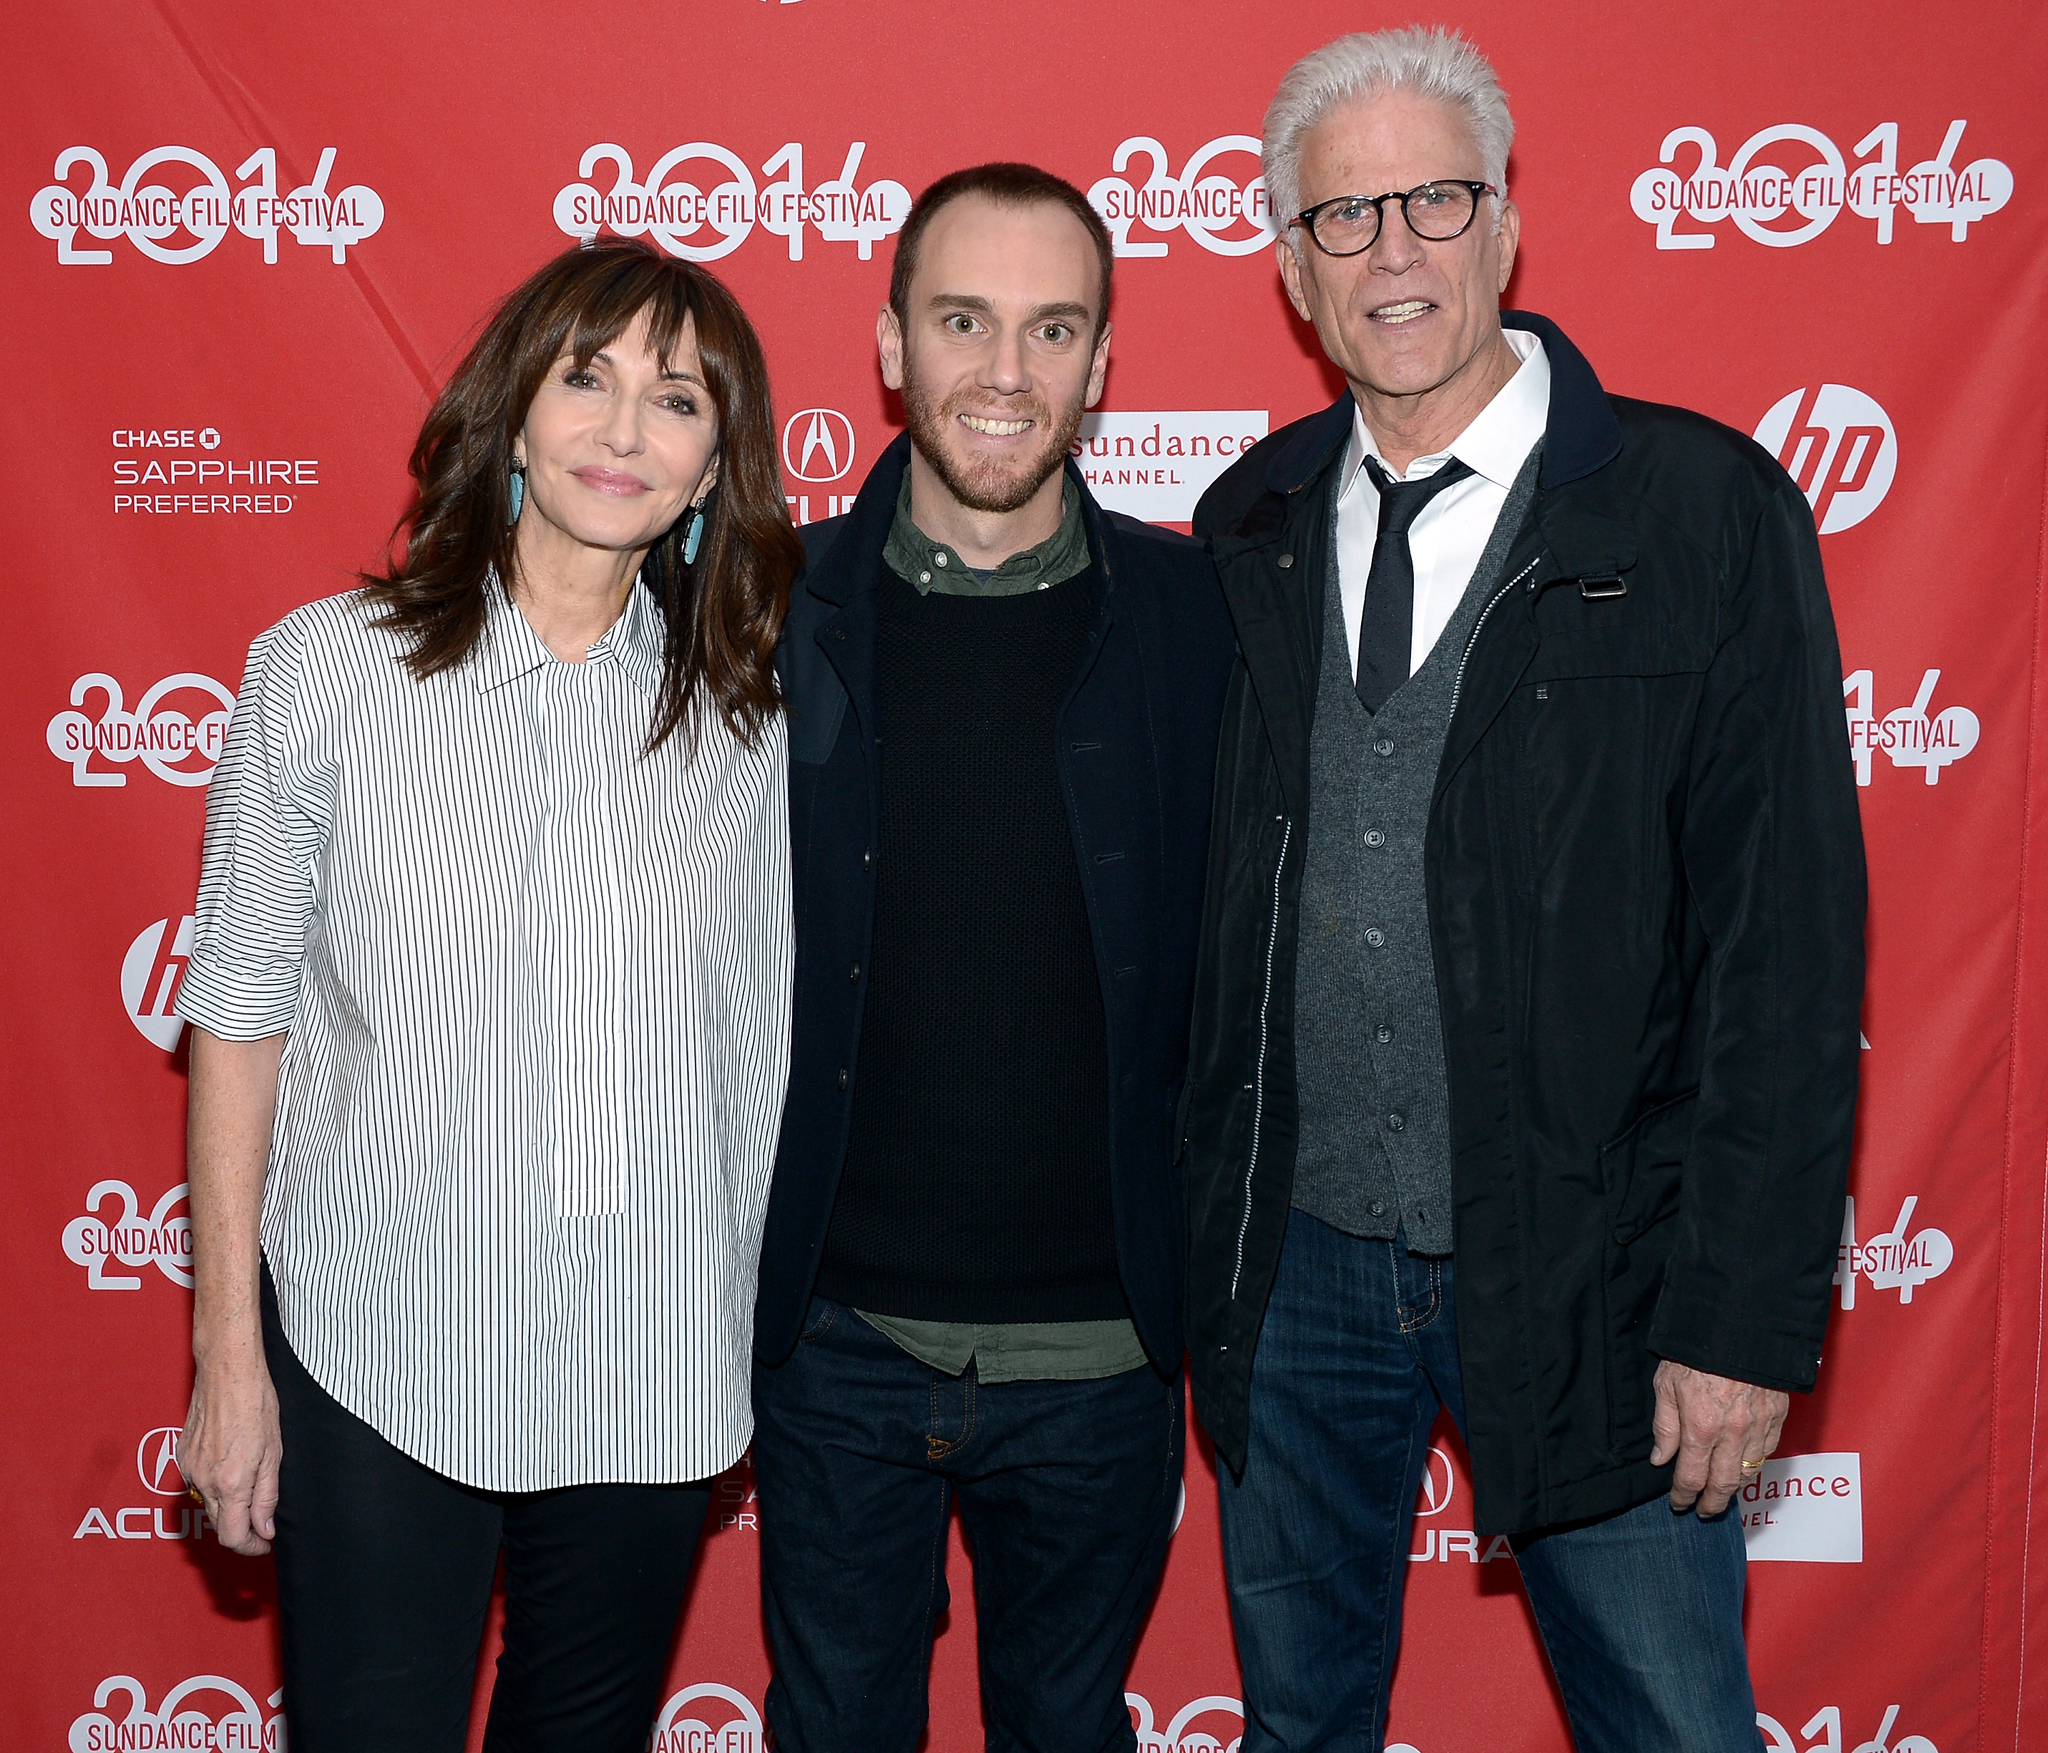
[[1525, 1042]]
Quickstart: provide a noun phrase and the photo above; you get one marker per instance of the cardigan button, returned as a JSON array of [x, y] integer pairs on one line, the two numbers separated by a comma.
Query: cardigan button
[[842, 1077], [855, 973]]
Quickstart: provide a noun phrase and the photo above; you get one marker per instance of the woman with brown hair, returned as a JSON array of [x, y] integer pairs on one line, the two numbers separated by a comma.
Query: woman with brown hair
[[490, 1000]]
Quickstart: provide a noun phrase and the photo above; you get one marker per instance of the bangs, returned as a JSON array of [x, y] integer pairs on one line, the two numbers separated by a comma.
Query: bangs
[[591, 315]]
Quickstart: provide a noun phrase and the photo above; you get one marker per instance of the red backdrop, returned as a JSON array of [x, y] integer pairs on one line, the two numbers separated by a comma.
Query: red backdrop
[[246, 242]]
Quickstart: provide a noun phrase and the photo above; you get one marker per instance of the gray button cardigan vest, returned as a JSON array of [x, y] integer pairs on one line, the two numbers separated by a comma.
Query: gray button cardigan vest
[[1374, 1148]]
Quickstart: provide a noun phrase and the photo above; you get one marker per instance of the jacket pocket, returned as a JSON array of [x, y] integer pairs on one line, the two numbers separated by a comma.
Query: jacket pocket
[[1642, 1170], [1643, 648], [1642, 1174]]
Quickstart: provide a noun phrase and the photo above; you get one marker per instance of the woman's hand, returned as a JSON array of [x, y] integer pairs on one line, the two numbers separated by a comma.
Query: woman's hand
[[230, 1448]]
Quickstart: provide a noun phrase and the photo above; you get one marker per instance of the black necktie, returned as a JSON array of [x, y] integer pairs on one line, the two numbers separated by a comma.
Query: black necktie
[[1387, 627]]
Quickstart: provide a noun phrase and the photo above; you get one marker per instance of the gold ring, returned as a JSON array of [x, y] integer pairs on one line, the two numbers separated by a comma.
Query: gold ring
[[195, 1494], [1751, 1466]]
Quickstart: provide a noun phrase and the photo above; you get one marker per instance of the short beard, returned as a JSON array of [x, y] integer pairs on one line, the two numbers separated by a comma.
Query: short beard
[[996, 488]]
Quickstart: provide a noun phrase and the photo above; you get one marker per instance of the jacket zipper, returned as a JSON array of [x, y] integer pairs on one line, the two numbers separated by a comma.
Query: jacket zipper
[[1259, 1073], [1272, 940], [1458, 682]]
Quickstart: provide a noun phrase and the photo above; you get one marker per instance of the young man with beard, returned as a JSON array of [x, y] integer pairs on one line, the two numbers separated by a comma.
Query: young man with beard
[[1003, 708]]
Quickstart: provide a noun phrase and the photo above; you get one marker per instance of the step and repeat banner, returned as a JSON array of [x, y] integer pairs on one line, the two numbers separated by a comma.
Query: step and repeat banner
[[243, 244]]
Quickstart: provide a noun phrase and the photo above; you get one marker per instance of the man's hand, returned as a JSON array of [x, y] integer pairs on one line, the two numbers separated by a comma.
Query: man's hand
[[230, 1450], [1713, 1425]]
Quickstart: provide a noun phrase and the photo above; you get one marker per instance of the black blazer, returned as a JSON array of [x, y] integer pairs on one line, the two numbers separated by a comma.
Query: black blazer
[[1137, 756]]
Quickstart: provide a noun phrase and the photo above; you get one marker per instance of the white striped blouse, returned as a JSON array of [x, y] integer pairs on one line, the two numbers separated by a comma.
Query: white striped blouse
[[536, 994]]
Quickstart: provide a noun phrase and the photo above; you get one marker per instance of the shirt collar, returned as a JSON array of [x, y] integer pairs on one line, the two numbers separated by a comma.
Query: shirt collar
[[927, 565], [1496, 444], [638, 638], [510, 648]]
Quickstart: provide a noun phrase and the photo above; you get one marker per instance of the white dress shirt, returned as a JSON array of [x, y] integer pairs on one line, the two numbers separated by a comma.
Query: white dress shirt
[[1446, 540], [536, 994]]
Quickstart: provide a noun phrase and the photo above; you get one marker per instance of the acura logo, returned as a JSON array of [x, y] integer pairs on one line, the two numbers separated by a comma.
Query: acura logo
[[156, 1460], [817, 444], [1435, 1496]]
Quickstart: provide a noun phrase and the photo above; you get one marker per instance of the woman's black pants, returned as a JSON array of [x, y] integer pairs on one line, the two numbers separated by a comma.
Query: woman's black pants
[[384, 1572]]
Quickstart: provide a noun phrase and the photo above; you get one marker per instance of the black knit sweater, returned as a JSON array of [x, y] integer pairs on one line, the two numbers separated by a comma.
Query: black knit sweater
[[976, 1183]]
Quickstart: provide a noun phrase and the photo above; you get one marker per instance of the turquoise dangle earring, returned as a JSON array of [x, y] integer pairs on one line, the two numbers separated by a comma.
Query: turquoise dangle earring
[[693, 538], [518, 491]]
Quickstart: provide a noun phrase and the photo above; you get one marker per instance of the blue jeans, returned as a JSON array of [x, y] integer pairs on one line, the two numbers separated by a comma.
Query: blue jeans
[[1641, 1612], [1068, 1491]]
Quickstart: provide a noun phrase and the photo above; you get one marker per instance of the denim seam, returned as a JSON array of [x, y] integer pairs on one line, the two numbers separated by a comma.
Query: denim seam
[[1427, 1310], [1397, 1581], [935, 1577]]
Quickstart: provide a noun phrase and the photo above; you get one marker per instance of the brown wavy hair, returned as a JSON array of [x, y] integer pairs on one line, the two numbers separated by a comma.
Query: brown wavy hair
[[724, 613]]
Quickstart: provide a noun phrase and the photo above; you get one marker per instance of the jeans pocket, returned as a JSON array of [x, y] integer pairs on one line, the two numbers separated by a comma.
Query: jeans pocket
[[818, 1319]]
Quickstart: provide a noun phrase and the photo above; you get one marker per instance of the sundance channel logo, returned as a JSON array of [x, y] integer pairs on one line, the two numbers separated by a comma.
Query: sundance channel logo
[[701, 201], [1804, 1509], [1155, 466], [1787, 184], [175, 207]]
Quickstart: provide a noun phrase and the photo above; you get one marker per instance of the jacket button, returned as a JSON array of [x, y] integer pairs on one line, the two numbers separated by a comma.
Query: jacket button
[[1378, 1208], [1383, 1034], [1373, 837], [1375, 936], [1384, 746], [867, 861], [842, 1077], [1285, 561], [1395, 1123], [854, 974]]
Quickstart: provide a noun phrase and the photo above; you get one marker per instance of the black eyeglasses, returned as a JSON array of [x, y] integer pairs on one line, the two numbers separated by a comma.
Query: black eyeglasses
[[1436, 212]]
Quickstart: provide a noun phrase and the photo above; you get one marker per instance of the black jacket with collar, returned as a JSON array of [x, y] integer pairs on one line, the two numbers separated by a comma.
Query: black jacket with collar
[[1644, 868], [1136, 755]]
